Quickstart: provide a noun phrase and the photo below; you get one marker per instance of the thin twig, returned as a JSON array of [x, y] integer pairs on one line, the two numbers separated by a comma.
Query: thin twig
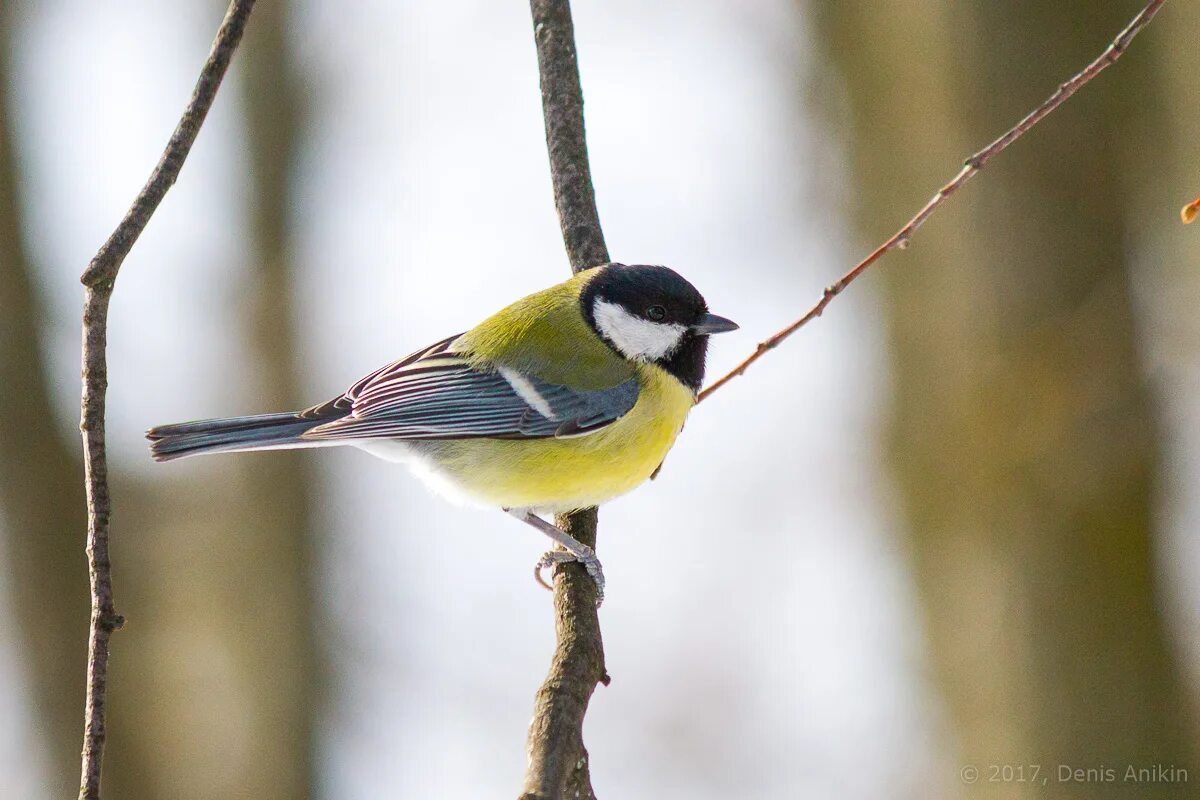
[[558, 762], [99, 279], [970, 167]]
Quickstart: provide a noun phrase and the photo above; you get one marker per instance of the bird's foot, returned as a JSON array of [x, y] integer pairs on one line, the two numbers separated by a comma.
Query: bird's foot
[[586, 556], [573, 550]]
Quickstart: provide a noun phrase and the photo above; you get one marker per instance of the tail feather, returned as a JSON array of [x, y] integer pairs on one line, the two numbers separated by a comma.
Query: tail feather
[[261, 432]]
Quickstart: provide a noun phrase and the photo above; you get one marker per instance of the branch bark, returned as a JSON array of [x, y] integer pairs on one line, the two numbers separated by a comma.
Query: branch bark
[[899, 240], [99, 279], [558, 761]]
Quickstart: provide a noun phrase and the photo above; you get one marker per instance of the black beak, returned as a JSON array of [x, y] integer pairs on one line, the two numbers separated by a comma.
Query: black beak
[[711, 323]]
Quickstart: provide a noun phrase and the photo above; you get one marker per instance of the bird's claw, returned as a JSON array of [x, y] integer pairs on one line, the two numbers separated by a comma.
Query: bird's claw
[[553, 558]]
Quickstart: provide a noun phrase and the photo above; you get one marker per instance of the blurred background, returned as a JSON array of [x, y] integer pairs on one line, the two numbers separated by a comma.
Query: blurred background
[[953, 523]]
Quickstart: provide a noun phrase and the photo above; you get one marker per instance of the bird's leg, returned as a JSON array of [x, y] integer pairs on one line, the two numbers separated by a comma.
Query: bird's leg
[[575, 550]]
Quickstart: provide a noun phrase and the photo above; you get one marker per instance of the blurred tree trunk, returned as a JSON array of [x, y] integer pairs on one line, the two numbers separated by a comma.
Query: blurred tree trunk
[[1023, 440], [216, 687], [281, 485], [41, 485], [1169, 282]]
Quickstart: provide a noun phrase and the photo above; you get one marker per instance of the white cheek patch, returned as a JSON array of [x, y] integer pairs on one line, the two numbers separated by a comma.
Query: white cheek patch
[[636, 338]]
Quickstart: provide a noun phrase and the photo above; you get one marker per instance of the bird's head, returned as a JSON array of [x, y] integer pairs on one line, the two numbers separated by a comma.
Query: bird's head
[[651, 314]]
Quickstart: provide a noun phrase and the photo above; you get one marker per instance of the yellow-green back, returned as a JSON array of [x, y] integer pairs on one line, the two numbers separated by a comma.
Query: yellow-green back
[[546, 334]]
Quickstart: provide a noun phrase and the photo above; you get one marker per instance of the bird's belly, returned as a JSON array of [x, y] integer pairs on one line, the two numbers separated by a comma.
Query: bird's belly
[[553, 475]]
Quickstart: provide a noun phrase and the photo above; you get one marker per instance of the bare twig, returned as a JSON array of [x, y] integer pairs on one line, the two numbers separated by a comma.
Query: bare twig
[[99, 279], [970, 167], [558, 761]]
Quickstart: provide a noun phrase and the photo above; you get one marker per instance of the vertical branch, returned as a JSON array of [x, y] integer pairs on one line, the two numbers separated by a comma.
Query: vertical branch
[[566, 143], [99, 279], [558, 761]]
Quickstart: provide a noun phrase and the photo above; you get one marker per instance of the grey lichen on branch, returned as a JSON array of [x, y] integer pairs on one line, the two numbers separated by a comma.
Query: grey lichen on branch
[[99, 279], [558, 762]]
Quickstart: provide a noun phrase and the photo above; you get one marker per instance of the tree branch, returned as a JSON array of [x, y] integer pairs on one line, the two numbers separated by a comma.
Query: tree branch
[[99, 279], [558, 761], [900, 239], [562, 112]]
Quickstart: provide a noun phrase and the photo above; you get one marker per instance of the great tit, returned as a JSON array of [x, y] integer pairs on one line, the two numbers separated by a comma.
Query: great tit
[[563, 400]]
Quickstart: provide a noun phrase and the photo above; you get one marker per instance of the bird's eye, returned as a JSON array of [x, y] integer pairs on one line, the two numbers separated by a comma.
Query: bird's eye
[[656, 313]]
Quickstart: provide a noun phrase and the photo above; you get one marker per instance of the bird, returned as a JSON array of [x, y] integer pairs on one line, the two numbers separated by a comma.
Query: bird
[[563, 400]]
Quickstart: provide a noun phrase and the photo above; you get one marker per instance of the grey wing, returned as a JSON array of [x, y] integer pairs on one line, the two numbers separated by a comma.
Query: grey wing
[[440, 395]]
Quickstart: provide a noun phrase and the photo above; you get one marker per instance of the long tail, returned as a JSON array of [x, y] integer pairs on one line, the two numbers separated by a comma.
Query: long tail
[[262, 432]]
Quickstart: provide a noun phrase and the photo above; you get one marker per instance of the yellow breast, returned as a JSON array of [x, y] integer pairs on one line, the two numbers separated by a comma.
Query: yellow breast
[[553, 475]]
